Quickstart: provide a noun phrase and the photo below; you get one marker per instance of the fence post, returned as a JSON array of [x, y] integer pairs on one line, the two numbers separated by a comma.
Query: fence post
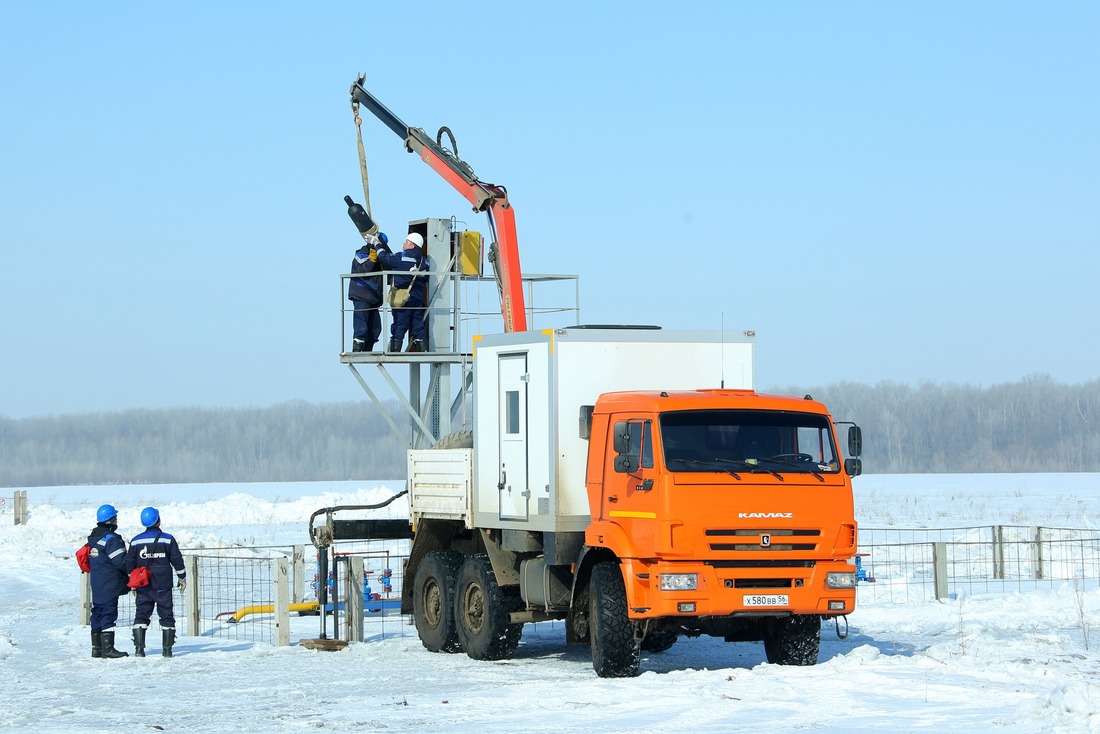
[[939, 566], [354, 586], [85, 614], [297, 591], [998, 552], [282, 602], [1037, 553], [19, 509], [194, 618]]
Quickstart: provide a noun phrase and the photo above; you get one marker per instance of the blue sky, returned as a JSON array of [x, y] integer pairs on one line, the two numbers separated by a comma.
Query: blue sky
[[882, 191]]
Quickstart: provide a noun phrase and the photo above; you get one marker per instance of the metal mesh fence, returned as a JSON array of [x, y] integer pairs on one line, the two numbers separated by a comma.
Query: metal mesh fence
[[236, 591], [235, 588], [125, 610], [918, 564]]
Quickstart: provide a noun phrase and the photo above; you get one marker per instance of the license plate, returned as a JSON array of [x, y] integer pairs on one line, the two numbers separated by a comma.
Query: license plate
[[765, 600]]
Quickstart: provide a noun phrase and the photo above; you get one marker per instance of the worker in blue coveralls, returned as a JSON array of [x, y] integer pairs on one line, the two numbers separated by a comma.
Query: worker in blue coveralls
[[159, 552], [365, 294], [412, 317], [108, 571]]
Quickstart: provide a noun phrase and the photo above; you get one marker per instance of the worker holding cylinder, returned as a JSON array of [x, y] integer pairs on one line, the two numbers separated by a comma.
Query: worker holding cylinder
[[365, 293], [411, 316]]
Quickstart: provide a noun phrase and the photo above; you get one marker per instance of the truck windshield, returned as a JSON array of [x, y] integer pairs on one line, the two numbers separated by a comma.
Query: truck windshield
[[775, 442]]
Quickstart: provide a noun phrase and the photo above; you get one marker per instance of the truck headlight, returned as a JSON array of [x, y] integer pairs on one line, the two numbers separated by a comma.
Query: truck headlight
[[840, 580], [679, 581]]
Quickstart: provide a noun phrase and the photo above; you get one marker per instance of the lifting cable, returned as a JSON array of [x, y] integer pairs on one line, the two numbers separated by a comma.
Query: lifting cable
[[362, 157]]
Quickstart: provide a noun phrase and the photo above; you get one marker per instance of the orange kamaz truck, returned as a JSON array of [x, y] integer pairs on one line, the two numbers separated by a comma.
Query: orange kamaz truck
[[627, 480], [632, 483]]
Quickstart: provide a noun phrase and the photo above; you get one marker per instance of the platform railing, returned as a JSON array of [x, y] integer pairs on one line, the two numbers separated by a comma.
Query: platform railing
[[470, 305]]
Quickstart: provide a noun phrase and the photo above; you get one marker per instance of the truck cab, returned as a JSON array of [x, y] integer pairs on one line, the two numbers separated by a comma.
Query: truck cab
[[728, 513]]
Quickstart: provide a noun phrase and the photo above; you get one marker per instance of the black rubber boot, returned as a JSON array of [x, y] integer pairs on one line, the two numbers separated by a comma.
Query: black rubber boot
[[97, 644], [167, 639], [109, 650], [418, 345], [139, 641], [357, 345], [370, 346], [395, 345]]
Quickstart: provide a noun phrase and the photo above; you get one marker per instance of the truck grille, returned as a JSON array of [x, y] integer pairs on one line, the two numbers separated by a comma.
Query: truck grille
[[762, 583], [752, 539], [777, 563]]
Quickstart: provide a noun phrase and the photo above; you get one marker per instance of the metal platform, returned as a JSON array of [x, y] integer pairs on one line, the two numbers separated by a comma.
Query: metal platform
[[378, 357]]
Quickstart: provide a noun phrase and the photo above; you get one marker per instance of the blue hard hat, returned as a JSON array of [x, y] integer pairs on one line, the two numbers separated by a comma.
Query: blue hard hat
[[149, 517], [105, 513], [382, 236]]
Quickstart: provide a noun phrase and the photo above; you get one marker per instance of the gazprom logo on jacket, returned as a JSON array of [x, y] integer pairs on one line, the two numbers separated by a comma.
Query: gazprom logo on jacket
[[145, 554]]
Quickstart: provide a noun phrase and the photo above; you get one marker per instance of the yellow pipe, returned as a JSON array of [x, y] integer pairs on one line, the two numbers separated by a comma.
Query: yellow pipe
[[305, 606]]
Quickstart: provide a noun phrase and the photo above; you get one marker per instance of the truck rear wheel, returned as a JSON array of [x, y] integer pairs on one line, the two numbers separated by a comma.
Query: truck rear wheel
[[481, 612], [794, 641], [433, 600], [615, 652]]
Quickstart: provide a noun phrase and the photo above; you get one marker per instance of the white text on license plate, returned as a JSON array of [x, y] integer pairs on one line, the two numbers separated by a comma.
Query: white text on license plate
[[765, 600]]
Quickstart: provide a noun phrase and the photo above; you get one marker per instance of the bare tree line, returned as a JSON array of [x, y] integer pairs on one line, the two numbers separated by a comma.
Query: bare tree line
[[294, 441], [1034, 425]]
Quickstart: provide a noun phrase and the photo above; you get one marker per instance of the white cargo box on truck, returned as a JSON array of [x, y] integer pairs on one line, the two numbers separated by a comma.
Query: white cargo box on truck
[[528, 466]]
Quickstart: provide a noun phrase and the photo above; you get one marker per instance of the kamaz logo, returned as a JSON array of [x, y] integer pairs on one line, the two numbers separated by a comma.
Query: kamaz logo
[[753, 515]]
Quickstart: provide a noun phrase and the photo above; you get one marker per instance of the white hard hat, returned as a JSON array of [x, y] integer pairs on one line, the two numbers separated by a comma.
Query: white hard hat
[[415, 238]]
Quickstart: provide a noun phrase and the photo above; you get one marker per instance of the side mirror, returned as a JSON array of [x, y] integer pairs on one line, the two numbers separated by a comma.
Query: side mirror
[[854, 467], [625, 463], [621, 441], [855, 441], [586, 421]]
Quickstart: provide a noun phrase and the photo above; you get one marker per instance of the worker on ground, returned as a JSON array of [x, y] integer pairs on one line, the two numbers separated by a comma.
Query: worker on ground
[[159, 552], [410, 318], [366, 293], [108, 571]]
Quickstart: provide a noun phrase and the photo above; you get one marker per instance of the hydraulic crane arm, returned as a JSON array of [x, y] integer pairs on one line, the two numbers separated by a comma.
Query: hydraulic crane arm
[[485, 197]]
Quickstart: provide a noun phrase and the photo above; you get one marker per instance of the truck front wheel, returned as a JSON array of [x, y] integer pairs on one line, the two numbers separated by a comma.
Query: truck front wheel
[[482, 612], [794, 641], [615, 652], [433, 600]]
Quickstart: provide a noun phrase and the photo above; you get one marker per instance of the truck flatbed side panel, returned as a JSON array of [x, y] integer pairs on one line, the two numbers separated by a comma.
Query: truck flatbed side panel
[[440, 486]]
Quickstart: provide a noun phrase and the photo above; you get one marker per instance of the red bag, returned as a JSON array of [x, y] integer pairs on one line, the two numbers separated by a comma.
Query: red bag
[[84, 558], [139, 578]]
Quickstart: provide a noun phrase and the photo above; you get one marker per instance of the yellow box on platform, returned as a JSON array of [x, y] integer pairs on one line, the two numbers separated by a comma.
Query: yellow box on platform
[[469, 252]]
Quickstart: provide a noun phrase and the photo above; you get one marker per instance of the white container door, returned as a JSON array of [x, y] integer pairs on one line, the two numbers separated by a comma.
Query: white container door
[[512, 480]]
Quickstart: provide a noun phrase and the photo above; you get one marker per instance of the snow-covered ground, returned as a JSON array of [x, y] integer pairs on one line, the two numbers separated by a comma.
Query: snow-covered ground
[[1018, 662]]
